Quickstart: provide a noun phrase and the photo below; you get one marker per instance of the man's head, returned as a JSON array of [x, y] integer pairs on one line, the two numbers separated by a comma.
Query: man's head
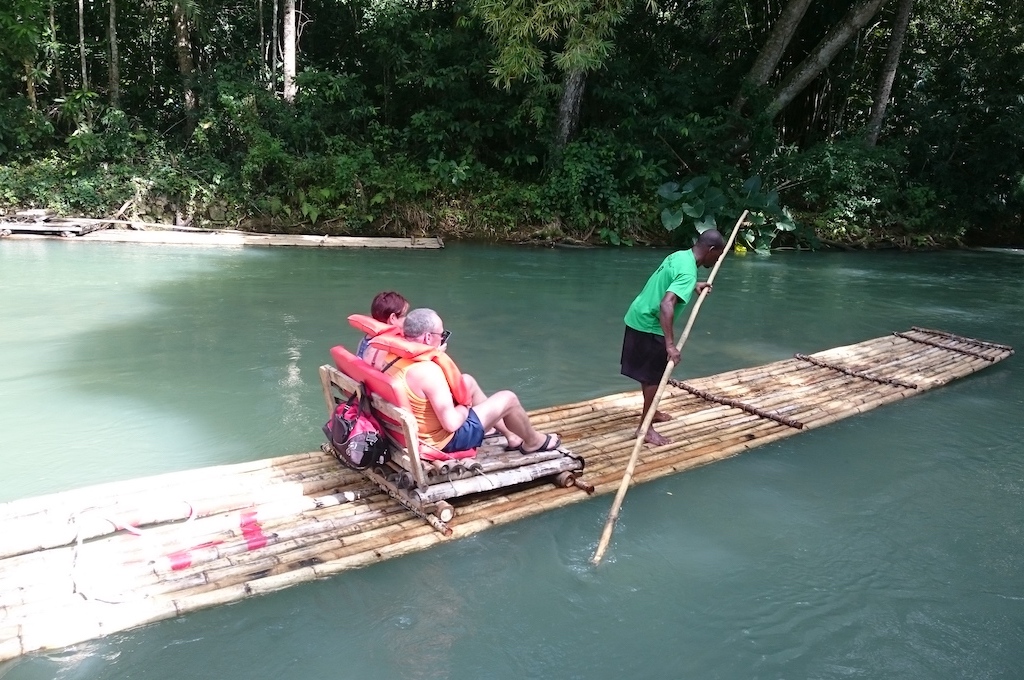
[[425, 326], [709, 247], [389, 307]]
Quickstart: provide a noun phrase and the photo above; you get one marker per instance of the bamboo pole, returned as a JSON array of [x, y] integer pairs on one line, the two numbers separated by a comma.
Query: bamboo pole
[[609, 526]]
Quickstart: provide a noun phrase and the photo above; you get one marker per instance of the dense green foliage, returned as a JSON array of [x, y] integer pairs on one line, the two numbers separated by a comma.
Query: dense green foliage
[[399, 125]]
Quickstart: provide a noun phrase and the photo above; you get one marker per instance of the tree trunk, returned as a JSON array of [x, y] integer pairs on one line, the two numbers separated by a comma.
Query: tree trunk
[[288, 68], [774, 47], [262, 53], [30, 82], [569, 107], [883, 89], [186, 67], [81, 42], [55, 55], [113, 73], [822, 54], [273, 51]]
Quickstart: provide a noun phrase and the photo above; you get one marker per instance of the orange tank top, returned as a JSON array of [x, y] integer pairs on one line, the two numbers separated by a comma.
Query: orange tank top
[[430, 429]]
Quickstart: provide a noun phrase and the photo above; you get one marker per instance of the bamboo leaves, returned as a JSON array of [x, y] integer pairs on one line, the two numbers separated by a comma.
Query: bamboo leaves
[[572, 35]]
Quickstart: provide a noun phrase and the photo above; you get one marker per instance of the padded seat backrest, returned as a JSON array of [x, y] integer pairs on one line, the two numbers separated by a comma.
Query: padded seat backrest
[[385, 386]]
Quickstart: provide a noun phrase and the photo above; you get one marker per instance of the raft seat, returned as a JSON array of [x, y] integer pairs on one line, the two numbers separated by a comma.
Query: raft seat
[[421, 477]]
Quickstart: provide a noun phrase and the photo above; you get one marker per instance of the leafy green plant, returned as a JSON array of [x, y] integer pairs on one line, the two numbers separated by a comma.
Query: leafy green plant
[[449, 172], [700, 203]]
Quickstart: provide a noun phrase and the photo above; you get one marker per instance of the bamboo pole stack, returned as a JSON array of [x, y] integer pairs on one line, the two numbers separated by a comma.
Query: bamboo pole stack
[[88, 562]]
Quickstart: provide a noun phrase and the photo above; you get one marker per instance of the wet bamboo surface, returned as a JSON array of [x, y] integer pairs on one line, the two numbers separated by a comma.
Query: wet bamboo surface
[[85, 563]]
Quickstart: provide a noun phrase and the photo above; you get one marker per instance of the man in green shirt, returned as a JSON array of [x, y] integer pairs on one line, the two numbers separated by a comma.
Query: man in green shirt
[[649, 341]]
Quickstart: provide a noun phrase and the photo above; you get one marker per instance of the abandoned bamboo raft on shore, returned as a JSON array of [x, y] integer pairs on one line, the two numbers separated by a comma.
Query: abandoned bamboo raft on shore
[[40, 224], [84, 563]]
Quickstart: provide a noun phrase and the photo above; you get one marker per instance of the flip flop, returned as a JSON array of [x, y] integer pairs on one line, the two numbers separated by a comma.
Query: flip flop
[[509, 447], [546, 446]]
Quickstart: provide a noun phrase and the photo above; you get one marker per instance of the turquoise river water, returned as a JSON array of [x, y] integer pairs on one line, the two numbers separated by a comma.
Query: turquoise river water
[[888, 545]]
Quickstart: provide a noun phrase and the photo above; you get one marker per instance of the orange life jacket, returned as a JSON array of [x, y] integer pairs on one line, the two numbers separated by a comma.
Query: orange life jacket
[[417, 351], [372, 327]]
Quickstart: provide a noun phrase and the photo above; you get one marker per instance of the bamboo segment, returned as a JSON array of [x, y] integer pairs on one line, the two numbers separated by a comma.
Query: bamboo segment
[[495, 480], [88, 562]]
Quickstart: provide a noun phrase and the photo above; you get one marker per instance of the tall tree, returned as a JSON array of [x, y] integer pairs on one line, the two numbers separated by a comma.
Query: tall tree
[[186, 66], [81, 43], [259, 11], [54, 53], [771, 52], [569, 106], [113, 73], [273, 49], [822, 55], [883, 89], [289, 37], [581, 30], [21, 24]]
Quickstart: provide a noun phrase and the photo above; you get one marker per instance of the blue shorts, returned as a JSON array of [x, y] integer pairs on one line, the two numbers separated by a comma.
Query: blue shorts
[[469, 436]]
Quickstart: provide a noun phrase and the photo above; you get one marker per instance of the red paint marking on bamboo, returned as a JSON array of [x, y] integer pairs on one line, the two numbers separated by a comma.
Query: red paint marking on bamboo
[[252, 532], [182, 559]]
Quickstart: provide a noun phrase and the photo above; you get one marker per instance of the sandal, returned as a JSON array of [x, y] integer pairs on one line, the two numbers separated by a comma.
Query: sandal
[[551, 442]]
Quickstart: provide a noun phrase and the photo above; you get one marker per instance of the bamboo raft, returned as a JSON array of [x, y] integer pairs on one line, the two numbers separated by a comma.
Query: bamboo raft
[[40, 224], [85, 563]]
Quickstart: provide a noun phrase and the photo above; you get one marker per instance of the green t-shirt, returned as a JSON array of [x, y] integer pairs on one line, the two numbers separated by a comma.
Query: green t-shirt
[[678, 274]]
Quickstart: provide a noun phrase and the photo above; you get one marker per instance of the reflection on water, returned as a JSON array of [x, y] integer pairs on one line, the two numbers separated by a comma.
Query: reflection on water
[[883, 546]]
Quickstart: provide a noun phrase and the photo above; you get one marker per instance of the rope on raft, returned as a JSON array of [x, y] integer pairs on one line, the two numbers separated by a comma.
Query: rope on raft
[[736, 404], [960, 338], [933, 343], [856, 374]]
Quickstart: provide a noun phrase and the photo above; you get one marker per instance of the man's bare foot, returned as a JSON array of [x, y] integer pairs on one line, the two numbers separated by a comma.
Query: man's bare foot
[[661, 417], [655, 438]]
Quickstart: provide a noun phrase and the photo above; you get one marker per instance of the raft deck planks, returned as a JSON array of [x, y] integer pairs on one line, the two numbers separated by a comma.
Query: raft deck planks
[[70, 571]]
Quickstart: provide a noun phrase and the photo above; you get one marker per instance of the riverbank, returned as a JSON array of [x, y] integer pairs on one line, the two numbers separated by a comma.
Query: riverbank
[[36, 224]]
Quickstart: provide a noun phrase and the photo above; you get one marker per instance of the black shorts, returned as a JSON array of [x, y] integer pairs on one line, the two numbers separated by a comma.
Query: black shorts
[[644, 357]]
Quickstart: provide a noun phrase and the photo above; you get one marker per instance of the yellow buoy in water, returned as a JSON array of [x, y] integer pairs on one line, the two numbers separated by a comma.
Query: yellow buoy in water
[[739, 250]]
